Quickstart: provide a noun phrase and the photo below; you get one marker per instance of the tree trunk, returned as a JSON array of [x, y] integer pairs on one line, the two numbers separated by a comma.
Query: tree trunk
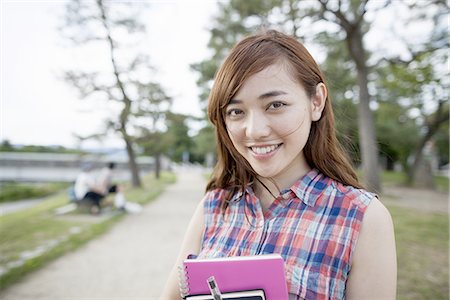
[[158, 165], [369, 147], [440, 118], [134, 169], [423, 175], [390, 163], [136, 182]]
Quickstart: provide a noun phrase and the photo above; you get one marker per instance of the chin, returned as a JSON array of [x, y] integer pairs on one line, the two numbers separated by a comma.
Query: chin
[[266, 172]]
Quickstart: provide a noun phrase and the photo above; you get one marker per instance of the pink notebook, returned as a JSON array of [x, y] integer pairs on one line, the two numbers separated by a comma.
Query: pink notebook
[[234, 274]]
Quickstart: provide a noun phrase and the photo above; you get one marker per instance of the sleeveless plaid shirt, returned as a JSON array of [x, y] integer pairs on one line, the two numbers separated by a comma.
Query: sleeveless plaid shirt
[[314, 225]]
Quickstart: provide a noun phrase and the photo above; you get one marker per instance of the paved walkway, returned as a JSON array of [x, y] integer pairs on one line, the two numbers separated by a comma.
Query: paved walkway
[[9, 207], [420, 199], [131, 261]]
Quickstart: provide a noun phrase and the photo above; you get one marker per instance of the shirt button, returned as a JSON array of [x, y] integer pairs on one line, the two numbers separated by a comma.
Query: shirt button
[[286, 196]]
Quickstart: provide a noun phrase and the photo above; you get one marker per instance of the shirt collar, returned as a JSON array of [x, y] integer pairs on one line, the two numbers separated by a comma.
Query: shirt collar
[[309, 188], [238, 195]]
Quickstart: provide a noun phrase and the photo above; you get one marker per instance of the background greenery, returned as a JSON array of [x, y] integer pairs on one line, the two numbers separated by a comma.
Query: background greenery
[[11, 191]]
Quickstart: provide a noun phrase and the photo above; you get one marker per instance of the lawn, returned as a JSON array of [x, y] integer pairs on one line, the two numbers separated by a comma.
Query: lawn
[[422, 246], [422, 252], [12, 191], [32, 237], [391, 178]]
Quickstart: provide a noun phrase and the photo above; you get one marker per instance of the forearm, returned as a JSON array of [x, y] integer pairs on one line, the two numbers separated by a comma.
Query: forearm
[[171, 290]]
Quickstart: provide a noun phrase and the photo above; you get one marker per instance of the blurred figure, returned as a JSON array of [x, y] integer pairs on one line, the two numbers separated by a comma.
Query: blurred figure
[[104, 181], [86, 188]]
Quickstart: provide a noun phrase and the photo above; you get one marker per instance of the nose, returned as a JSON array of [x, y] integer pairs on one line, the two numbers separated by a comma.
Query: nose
[[257, 126]]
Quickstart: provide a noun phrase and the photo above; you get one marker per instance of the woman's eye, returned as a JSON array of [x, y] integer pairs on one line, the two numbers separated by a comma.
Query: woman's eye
[[276, 105], [234, 112]]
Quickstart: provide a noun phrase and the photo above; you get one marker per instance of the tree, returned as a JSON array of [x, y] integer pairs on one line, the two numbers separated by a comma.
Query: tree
[[419, 82], [442, 144], [127, 81], [179, 129], [341, 81], [235, 20], [153, 107], [6, 146], [349, 15], [205, 148], [171, 140], [397, 133]]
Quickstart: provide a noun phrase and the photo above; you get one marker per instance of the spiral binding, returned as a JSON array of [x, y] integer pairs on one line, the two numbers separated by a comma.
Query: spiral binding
[[183, 281]]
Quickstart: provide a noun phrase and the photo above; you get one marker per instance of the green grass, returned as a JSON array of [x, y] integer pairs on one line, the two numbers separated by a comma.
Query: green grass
[[32, 228], [422, 252], [442, 183], [18, 191], [391, 178]]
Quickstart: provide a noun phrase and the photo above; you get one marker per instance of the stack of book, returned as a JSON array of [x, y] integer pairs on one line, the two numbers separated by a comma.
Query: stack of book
[[259, 277]]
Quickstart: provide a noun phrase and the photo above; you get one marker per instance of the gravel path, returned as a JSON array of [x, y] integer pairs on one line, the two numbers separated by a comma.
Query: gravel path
[[131, 261]]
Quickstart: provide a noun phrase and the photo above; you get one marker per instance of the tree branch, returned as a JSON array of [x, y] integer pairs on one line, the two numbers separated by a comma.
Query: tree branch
[[127, 102], [414, 56], [342, 20], [362, 11]]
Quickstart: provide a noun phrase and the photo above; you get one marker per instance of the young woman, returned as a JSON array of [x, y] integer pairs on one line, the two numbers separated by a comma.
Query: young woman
[[283, 185]]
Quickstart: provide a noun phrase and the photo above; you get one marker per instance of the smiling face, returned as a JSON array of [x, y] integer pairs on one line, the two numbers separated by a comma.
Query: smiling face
[[268, 122]]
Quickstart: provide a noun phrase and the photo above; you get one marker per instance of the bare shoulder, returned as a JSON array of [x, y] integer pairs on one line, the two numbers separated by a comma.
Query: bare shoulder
[[377, 224], [377, 230], [377, 217], [373, 274]]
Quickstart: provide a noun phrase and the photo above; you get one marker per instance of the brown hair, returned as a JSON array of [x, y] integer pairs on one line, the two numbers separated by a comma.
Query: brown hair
[[250, 56]]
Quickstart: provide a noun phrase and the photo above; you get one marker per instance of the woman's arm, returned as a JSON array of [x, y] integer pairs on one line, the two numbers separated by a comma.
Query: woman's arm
[[374, 269], [191, 245]]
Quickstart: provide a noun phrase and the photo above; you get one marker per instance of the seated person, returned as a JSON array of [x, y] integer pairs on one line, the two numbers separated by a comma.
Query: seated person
[[104, 180], [86, 187]]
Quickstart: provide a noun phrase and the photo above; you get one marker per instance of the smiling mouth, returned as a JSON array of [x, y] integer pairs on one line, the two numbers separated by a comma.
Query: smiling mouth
[[265, 149]]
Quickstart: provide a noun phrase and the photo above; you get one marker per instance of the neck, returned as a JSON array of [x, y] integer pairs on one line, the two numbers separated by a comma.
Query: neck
[[266, 193], [267, 189]]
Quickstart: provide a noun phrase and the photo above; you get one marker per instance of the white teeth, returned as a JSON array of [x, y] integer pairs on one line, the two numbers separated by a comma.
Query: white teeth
[[264, 150]]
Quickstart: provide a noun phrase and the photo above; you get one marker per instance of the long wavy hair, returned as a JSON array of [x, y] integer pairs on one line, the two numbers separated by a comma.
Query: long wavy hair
[[248, 57]]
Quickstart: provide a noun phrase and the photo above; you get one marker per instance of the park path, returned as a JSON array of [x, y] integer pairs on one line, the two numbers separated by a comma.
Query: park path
[[10, 207], [131, 261]]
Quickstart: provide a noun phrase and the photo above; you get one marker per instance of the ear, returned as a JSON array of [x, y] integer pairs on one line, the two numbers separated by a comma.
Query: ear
[[318, 101]]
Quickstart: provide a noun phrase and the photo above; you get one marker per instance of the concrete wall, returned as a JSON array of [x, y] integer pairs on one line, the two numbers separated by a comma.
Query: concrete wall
[[33, 167]]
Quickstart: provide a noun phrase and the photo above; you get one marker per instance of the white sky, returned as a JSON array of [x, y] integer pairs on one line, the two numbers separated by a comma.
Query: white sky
[[37, 107]]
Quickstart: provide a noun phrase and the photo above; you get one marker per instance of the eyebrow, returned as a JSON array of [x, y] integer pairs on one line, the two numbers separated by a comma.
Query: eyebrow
[[262, 96]]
